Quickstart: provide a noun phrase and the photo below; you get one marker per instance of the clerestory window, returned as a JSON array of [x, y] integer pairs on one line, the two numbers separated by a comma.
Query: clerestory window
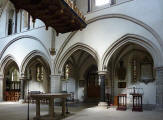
[[102, 2]]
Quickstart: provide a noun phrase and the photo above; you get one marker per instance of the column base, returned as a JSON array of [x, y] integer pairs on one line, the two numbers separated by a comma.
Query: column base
[[103, 105], [21, 101], [159, 107]]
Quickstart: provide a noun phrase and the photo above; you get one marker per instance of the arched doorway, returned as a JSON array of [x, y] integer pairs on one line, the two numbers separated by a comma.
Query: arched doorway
[[38, 72], [92, 81], [131, 66], [80, 76], [11, 82]]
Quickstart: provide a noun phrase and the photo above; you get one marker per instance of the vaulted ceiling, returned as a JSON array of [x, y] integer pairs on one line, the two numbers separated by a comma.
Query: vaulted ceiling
[[81, 58]]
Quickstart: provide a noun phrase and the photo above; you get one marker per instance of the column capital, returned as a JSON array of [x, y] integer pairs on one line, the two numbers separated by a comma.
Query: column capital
[[55, 76], [103, 72], [23, 77], [1, 77]]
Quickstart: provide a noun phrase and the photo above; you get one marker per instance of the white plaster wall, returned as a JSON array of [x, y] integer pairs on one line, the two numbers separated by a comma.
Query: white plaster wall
[[3, 24], [34, 85], [60, 40], [148, 90], [40, 33], [121, 1], [70, 86], [21, 48], [105, 32], [148, 11]]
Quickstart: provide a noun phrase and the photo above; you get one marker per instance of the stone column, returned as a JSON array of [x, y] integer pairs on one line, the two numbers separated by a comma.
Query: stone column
[[22, 80], [1, 88], [102, 102], [55, 83], [159, 88], [52, 49]]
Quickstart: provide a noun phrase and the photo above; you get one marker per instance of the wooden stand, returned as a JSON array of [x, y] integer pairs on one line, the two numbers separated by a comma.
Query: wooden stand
[[122, 102], [137, 102]]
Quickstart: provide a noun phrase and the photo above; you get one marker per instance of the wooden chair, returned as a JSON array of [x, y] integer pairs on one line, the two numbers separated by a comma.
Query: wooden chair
[[122, 102], [137, 102]]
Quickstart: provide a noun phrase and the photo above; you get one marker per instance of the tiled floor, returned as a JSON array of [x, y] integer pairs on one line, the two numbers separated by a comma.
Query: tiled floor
[[16, 111]]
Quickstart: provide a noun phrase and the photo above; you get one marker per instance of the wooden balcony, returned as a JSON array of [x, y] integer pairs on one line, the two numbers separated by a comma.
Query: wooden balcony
[[62, 15]]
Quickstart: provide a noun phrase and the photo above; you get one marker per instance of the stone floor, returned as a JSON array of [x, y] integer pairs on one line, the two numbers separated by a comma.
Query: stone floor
[[17, 111]]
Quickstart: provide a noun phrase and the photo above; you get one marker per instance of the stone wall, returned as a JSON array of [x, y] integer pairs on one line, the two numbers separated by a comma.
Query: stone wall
[[159, 87]]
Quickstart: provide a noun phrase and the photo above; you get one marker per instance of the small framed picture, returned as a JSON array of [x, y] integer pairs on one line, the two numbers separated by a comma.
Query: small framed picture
[[121, 84], [81, 83]]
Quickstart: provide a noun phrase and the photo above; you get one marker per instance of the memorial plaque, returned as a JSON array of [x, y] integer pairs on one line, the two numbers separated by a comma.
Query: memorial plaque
[[146, 73]]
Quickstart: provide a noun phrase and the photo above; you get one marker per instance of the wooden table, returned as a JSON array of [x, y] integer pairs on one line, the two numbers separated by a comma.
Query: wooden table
[[122, 102], [50, 97], [137, 102]]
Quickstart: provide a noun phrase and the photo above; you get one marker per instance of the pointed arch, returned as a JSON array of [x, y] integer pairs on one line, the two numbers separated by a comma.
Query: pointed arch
[[108, 16], [78, 46], [31, 55], [136, 39], [7, 59], [20, 38]]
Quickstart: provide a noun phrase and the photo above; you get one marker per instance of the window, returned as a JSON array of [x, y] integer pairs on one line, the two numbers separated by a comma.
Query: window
[[26, 21], [94, 5], [10, 22], [25, 16], [102, 2]]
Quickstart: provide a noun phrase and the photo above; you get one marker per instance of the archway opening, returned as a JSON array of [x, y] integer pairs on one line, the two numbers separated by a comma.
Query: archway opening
[[11, 82], [38, 73], [80, 77], [131, 70]]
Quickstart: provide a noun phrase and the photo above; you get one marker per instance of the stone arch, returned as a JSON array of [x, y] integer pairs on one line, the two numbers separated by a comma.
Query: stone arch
[[131, 38], [32, 55], [134, 20], [19, 38], [78, 46], [107, 16], [7, 59]]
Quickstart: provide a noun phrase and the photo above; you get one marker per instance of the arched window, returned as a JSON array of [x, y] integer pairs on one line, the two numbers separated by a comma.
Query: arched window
[[10, 22], [102, 2], [94, 5]]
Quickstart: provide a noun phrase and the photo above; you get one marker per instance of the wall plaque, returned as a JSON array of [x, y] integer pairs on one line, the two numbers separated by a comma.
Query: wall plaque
[[121, 84], [146, 72]]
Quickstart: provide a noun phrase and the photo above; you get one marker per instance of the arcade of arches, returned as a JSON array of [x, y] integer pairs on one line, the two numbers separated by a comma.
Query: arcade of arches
[[130, 66], [35, 78]]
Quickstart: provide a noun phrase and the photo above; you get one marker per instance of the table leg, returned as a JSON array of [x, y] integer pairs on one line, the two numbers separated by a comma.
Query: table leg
[[51, 108], [63, 106], [37, 108]]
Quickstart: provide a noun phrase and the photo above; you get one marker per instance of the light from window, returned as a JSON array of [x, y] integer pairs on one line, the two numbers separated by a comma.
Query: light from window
[[102, 2]]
